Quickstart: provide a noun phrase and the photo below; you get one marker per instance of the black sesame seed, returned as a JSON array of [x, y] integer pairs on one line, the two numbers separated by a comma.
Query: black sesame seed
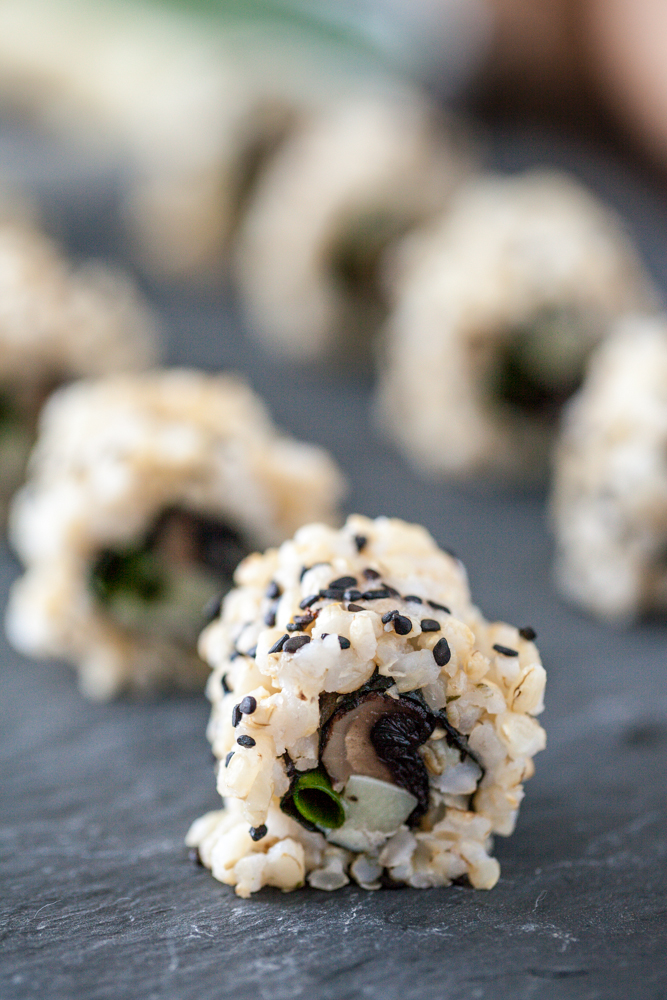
[[270, 618], [343, 642], [323, 635], [257, 832], [277, 646], [252, 652], [430, 625], [296, 642], [505, 650], [248, 704], [375, 595], [307, 601], [225, 686], [413, 599], [273, 591], [228, 758], [354, 607], [245, 741], [292, 627], [361, 542], [389, 616], [236, 716], [528, 633], [371, 574], [442, 654], [402, 625], [391, 590], [303, 620], [343, 582], [352, 595], [332, 593], [439, 607]]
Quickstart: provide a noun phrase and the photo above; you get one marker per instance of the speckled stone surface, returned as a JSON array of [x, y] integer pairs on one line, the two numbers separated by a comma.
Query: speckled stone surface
[[98, 896]]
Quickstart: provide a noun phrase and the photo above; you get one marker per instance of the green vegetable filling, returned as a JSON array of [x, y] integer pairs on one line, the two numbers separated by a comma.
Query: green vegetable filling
[[161, 585], [317, 802], [133, 572], [541, 364]]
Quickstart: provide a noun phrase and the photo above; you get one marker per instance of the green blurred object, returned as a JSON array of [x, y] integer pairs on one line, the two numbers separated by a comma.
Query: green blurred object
[[317, 802], [325, 22], [133, 572]]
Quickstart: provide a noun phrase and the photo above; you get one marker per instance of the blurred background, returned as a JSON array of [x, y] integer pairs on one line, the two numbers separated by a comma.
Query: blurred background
[[160, 136]]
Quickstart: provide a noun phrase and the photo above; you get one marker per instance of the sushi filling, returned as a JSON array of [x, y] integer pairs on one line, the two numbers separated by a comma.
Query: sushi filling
[[541, 364], [163, 585], [385, 761], [356, 263]]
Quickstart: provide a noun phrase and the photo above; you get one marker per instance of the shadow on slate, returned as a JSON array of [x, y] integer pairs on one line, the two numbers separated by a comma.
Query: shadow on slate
[[99, 899]]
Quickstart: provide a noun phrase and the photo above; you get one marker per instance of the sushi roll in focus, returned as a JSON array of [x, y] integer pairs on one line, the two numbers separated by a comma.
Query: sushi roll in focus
[[351, 178], [144, 493], [367, 721], [609, 501], [496, 309], [57, 322]]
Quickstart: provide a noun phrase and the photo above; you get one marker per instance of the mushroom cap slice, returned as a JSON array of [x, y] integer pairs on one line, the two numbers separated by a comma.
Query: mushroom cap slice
[[347, 743]]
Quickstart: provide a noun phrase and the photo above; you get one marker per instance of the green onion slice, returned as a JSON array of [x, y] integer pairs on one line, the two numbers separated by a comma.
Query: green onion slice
[[317, 802]]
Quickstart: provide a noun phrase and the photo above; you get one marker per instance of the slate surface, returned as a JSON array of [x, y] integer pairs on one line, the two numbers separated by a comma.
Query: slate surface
[[98, 896]]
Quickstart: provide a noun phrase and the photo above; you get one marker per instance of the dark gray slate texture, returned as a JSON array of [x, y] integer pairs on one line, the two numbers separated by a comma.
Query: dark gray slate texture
[[99, 899]]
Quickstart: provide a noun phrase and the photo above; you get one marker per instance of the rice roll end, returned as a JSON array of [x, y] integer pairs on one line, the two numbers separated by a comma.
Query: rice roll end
[[367, 721]]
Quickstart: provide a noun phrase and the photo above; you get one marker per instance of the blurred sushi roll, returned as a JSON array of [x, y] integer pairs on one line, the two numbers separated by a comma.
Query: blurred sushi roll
[[150, 88], [57, 322], [350, 178], [144, 493], [609, 502], [367, 721], [496, 308], [189, 100]]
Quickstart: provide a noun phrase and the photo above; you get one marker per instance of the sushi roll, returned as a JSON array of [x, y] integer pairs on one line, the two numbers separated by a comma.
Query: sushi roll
[[609, 500], [57, 322], [144, 493], [496, 308], [352, 177], [367, 721]]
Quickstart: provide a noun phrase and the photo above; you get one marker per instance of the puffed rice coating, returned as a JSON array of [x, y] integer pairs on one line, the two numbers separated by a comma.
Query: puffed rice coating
[[534, 261], [58, 322], [609, 499]]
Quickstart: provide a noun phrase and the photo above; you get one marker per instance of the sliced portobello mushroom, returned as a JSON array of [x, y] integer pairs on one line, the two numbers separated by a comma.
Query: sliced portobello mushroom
[[378, 736]]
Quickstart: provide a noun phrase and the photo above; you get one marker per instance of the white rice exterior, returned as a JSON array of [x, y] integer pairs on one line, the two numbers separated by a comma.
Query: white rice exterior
[[346, 163], [111, 455], [59, 322], [508, 249], [609, 502], [491, 698]]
